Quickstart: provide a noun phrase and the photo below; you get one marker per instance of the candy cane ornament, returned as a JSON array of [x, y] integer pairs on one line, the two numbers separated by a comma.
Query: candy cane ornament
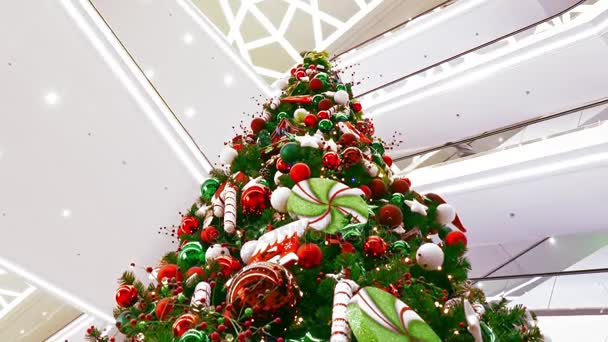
[[343, 292], [230, 209], [201, 296]]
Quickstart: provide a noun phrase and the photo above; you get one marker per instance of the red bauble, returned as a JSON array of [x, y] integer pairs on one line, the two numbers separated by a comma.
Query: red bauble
[[325, 104], [255, 199], [316, 84], [378, 187], [366, 190], [184, 323], [323, 114], [300, 74], [401, 185], [390, 215], [374, 246], [352, 155], [126, 295], [455, 237], [189, 225], [348, 247], [356, 106], [388, 160], [257, 125], [209, 234], [283, 166], [331, 160], [347, 139], [309, 255], [196, 270], [163, 308], [299, 172], [169, 271], [310, 120], [228, 265], [267, 287], [365, 127]]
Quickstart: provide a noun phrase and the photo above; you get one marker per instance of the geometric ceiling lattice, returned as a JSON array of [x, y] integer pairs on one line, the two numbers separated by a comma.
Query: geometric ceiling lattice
[[269, 34]]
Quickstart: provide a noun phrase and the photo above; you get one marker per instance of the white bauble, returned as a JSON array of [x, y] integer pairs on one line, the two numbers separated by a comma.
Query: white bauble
[[445, 214], [429, 256], [227, 155], [247, 250], [216, 251], [299, 114], [281, 83], [278, 199], [341, 97]]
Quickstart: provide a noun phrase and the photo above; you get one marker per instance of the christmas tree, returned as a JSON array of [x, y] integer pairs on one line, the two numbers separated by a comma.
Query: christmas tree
[[304, 234]]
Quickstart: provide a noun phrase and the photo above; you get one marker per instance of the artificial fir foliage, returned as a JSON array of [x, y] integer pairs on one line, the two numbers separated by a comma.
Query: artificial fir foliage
[[304, 234]]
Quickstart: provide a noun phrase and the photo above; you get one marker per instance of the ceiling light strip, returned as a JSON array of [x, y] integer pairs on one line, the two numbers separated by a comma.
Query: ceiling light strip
[[77, 326], [348, 24], [20, 297], [274, 32], [316, 23]]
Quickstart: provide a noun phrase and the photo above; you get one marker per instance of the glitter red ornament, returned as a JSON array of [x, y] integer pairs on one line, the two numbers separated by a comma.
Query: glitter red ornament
[[126, 295], [331, 160], [347, 139], [309, 255], [316, 84], [401, 185], [455, 237], [257, 125], [390, 215], [282, 166], [299, 172], [323, 114], [356, 106], [388, 160], [169, 271], [325, 104], [188, 226], [352, 155], [163, 308], [374, 246], [183, 323], [348, 247], [209, 234], [310, 120], [378, 187], [255, 199], [365, 127]]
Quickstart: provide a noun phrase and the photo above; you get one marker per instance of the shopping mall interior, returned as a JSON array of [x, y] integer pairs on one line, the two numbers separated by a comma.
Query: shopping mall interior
[[455, 124]]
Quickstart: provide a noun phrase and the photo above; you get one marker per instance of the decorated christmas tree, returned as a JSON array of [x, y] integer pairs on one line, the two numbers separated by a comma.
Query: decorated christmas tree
[[303, 233]]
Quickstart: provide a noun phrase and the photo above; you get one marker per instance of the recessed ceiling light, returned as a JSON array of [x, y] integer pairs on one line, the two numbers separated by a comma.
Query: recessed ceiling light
[[189, 112], [228, 79], [500, 139], [66, 213], [479, 285], [552, 240], [44, 313], [51, 98], [188, 38], [22, 332]]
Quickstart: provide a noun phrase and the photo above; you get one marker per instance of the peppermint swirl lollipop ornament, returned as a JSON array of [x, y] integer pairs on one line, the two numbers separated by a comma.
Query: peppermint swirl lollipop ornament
[[327, 204]]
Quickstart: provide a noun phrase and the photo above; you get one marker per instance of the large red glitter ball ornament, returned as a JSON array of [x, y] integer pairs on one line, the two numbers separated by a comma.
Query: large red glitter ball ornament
[[257, 125], [310, 120], [255, 199], [164, 307], [268, 288], [374, 246], [347, 139], [378, 187], [323, 114], [352, 155], [299, 172], [401, 185], [455, 237], [331, 160], [309, 255], [388, 160], [189, 225], [228, 265], [325, 104], [282, 166], [316, 84], [366, 190], [184, 323], [126, 295], [169, 271], [356, 105], [209, 234], [365, 127], [390, 215]]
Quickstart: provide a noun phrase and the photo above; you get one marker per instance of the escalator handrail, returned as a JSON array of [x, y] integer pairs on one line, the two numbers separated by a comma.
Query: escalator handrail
[[479, 47]]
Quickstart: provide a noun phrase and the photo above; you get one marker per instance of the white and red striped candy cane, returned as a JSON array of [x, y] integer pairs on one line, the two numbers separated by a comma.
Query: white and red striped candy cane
[[370, 167], [218, 203], [340, 330], [201, 296], [266, 116], [229, 209]]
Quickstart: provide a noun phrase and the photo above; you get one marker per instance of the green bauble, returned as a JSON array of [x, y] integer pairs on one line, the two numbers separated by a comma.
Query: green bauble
[[316, 99], [400, 247], [443, 232], [325, 125], [322, 76], [290, 152], [341, 117], [209, 187], [281, 116], [142, 325], [181, 297], [264, 138], [397, 199], [264, 182], [248, 312], [340, 87], [191, 254], [194, 335], [378, 147]]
